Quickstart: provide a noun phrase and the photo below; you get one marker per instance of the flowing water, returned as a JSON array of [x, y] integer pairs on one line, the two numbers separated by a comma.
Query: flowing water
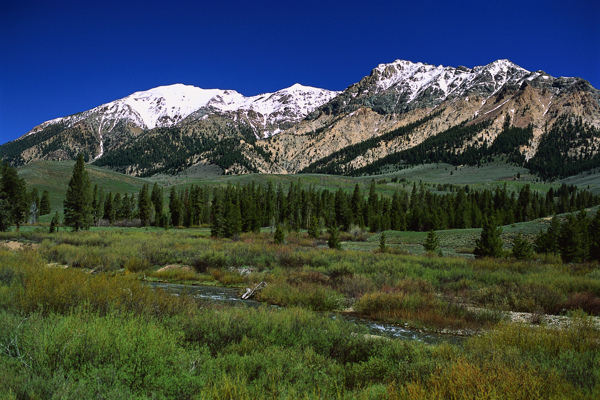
[[232, 296]]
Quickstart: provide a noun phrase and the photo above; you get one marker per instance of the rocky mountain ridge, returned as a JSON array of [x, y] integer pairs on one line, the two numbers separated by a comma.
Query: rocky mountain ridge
[[169, 129]]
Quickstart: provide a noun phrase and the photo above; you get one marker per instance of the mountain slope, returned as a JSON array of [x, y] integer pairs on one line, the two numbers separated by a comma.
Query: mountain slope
[[402, 114], [117, 124], [356, 129]]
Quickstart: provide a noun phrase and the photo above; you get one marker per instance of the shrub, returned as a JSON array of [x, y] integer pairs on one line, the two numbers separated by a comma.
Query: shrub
[[135, 265]]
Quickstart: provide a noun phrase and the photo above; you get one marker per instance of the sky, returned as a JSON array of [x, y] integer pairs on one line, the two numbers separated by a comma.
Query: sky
[[59, 58]]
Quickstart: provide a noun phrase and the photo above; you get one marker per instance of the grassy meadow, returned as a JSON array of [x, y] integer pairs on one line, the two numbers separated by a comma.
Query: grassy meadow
[[78, 319]]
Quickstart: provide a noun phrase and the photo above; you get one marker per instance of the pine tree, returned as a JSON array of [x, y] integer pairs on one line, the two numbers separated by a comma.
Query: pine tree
[[547, 242], [522, 249], [595, 237], [313, 228], [95, 205], [54, 223], [144, 205], [233, 219], [432, 242], [490, 243], [571, 240], [157, 200], [45, 207], [334, 238], [5, 215], [175, 208], [382, 247], [109, 209], [279, 236], [13, 190], [217, 218], [78, 200], [118, 207]]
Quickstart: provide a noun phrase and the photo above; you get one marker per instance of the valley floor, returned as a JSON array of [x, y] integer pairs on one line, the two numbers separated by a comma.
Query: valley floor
[[77, 322]]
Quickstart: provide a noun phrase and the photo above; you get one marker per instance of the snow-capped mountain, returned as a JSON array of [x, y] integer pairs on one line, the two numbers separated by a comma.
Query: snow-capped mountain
[[167, 106], [171, 128]]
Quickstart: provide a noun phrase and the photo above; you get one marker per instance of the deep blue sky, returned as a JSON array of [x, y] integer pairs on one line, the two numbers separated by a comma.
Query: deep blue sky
[[61, 57]]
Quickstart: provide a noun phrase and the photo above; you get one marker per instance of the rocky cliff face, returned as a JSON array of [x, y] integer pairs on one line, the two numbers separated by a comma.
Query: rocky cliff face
[[398, 107]]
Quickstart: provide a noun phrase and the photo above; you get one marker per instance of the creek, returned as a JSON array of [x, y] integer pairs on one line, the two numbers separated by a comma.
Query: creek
[[231, 296]]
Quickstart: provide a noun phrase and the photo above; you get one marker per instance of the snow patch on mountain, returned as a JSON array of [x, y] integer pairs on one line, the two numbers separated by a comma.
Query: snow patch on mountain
[[166, 106], [413, 79]]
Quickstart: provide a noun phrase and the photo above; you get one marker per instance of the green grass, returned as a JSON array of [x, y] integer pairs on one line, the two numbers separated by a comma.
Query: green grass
[[54, 177], [69, 334]]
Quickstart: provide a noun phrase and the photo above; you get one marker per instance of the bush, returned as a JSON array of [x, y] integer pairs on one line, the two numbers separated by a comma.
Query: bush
[[135, 265]]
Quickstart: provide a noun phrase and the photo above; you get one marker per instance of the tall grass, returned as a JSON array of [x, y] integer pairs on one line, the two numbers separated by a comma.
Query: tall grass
[[65, 333]]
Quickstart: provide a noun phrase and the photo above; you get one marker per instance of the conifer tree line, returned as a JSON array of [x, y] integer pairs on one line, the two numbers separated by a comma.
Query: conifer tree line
[[17, 206], [246, 208], [230, 210], [575, 239]]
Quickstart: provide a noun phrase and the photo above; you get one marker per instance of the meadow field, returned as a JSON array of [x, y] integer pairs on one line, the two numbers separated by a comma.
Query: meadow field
[[79, 322], [80, 319]]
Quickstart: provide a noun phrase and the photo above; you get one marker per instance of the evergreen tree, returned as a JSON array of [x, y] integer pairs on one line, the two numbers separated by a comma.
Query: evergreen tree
[[217, 218], [594, 231], [382, 247], [175, 208], [126, 207], [432, 242], [144, 205], [490, 243], [96, 211], [334, 241], [157, 199], [313, 229], [5, 215], [78, 200], [233, 219], [109, 209], [118, 207], [45, 207], [54, 223], [547, 242], [13, 190], [571, 240], [522, 249], [279, 236]]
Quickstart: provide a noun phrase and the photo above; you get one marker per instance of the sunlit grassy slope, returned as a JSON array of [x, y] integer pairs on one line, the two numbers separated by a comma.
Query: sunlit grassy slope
[[54, 177]]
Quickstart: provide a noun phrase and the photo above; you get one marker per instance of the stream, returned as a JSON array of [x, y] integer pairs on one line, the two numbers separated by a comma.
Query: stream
[[231, 296]]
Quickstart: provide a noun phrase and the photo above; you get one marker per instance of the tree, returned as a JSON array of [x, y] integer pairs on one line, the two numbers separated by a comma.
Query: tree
[[490, 243], [5, 215], [279, 236], [78, 200], [45, 207], [97, 204], [334, 238], [382, 247], [109, 208], [175, 208], [145, 205], [547, 242], [571, 240], [522, 249], [432, 242], [54, 223], [594, 233], [313, 228], [13, 190]]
